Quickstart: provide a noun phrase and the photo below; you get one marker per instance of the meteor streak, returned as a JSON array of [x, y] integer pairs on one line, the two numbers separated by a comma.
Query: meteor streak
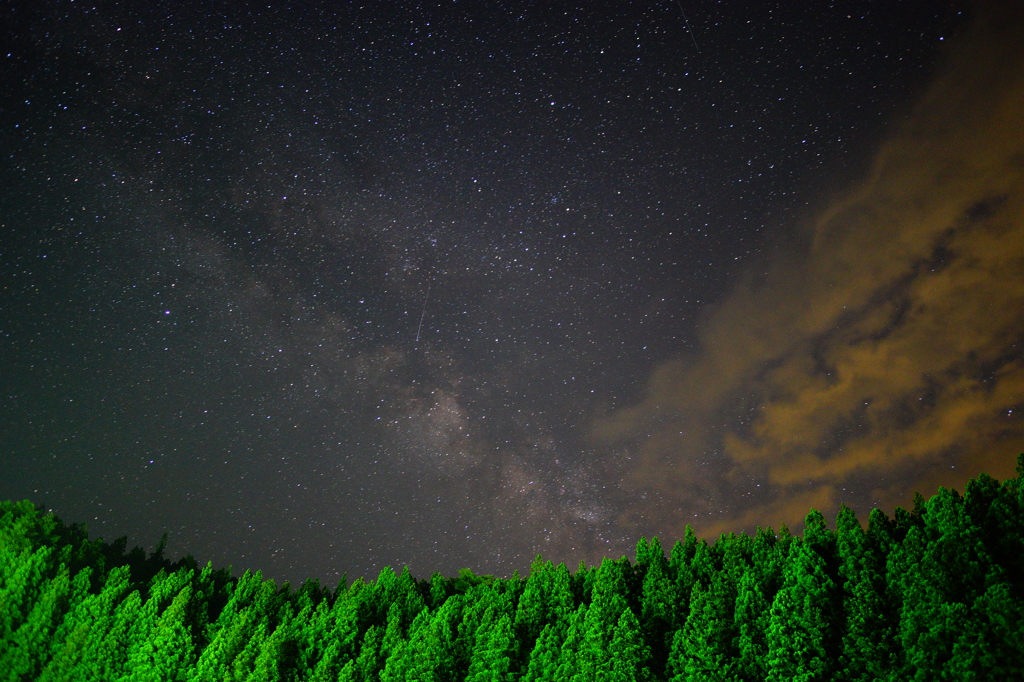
[[422, 313]]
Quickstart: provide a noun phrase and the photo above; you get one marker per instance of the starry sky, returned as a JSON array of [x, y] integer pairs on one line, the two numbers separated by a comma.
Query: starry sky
[[320, 287]]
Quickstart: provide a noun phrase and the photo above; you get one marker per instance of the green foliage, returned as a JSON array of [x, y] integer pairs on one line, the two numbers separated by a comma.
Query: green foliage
[[493, 652], [750, 625], [17, 661], [799, 626], [658, 601], [627, 652], [703, 648], [544, 658], [934, 593], [165, 652]]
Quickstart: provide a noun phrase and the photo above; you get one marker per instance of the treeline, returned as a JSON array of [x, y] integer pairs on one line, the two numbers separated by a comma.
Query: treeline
[[931, 594]]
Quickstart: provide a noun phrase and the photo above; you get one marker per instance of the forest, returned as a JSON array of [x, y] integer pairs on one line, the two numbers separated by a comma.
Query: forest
[[933, 593]]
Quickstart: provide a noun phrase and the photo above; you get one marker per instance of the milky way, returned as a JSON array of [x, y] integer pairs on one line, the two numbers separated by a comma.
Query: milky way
[[221, 222]]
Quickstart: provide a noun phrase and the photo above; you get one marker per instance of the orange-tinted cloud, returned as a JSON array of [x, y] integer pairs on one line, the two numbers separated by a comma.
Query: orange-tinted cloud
[[883, 356]]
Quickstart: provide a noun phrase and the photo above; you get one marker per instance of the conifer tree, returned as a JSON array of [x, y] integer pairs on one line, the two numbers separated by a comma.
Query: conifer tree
[[543, 662], [276, 654], [328, 667], [349, 673], [737, 555], [400, 660], [112, 658], [606, 606], [799, 625], [443, 635], [560, 603], [531, 611], [934, 594], [703, 651], [991, 647], [244, 663], [938, 572], [751, 622], [331, 638], [165, 654], [216, 660], [311, 633], [369, 662], [401, 590], [25, 653], [608, 595], [479, 607], [493, 653], [438, 590], [657, 603], [682, 552], [582, 583], [19, 590], [627, 651], [867, 635], [698, 571], [568, 667], [83, 639], [393, 636]]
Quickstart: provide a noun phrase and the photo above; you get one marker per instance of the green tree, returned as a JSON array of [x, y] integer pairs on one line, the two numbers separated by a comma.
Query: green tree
[[442, 637], [799, 625], [82, 642], [369, 662], [991, 645], [29, 645], [483, 603], [937, 573], [438, 590], [867, 634], [543, 662], [494, 651], [332, 637], [19, 591], [569, 656], [398, 590], [682, 553], [627, 651], [531, 612], [657, 602], [328, 667], [217, 658], [166, 654], [428, 653], [607, 604], [546, 598], [243, 664], [400, 661], [751, 622], [277, 653], [703, 651], [112, 657]]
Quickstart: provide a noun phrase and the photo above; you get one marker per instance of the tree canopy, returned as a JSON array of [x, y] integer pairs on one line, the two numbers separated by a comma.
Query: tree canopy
[[935, 593]]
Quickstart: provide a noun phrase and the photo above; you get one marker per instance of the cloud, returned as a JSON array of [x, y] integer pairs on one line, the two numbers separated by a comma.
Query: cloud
[[883, 354]]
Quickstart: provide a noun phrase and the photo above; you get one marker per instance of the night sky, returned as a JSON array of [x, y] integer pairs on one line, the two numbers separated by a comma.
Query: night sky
[[318, 288]]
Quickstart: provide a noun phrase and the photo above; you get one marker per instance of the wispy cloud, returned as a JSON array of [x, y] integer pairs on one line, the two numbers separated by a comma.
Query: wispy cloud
[[883, 354]]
